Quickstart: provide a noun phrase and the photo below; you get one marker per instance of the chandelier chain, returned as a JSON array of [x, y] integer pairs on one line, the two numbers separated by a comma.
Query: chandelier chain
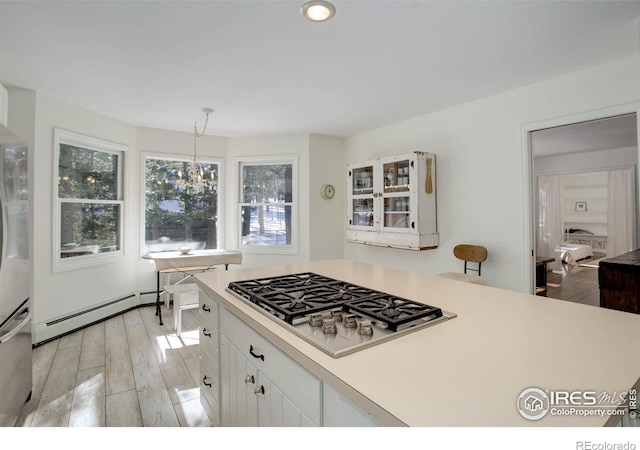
[[195, 180]]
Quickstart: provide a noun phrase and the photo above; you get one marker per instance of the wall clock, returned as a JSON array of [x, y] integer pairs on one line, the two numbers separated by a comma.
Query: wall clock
[[327, 191]]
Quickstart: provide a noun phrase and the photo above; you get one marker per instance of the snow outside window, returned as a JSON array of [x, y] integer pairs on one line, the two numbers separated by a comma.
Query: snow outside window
[[267, 205]]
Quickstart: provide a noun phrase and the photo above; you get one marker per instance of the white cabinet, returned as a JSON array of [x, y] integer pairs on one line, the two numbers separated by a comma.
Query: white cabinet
[[245, 381], [392, 202], [340, 412], [209, 315], [261, 386]]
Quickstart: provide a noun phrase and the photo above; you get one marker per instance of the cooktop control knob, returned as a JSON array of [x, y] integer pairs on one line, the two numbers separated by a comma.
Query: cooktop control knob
[[329, 326], [315, 320], [349, 321], [336, 314], [365, 328]]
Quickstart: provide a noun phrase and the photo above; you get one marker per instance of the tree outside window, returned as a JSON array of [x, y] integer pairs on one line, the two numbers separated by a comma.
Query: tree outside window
[[176, 218]]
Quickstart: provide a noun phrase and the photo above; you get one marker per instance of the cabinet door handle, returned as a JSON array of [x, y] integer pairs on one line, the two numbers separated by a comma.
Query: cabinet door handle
[[259, 391], [249, 379], [413, 224], [207, 334], [204, 380], [204, 308], [255, 355]]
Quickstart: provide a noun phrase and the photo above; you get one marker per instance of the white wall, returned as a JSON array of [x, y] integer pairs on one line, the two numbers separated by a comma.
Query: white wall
[[327, 217], [481, 182], [59, 294]]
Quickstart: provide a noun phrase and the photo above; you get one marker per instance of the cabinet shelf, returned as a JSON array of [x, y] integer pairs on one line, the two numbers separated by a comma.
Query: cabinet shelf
[[362, 191], [395, 189]]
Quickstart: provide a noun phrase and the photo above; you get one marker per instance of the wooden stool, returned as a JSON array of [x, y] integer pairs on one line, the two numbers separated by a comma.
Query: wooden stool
[[185, 296]]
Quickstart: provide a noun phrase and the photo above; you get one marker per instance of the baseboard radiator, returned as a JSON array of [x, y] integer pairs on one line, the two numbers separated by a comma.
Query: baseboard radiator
[[47, 331]]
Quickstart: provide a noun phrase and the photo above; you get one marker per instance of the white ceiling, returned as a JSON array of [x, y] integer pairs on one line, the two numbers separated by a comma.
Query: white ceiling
[[268, 71]]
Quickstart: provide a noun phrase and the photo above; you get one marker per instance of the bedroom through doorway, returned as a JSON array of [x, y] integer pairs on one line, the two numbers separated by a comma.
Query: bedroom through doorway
[[584, 203]]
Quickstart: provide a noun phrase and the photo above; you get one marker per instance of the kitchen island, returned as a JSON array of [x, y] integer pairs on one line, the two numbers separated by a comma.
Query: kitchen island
[[469, 370]]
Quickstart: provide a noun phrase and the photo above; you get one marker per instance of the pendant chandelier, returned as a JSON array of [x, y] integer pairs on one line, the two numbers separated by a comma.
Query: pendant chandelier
[[195, 181]]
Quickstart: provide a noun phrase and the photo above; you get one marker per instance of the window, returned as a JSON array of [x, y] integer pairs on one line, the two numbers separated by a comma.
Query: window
[[89, 202], [175, 218], [267, 205]]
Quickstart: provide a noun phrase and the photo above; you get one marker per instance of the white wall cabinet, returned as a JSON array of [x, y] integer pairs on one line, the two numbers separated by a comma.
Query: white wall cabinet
[[261, 386], [392, 202]]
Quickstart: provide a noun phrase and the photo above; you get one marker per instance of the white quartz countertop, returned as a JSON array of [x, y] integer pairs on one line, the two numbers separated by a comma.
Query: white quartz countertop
[[468, 371]]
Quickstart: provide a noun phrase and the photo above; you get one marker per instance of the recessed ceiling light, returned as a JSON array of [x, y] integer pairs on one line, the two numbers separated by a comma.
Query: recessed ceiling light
[[318, 10]]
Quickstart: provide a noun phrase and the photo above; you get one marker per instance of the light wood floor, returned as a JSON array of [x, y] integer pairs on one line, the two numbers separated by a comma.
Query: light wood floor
[[577, 283], [125, 372]]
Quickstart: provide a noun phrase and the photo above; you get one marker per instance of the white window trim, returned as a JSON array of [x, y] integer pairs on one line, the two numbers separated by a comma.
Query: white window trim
[[60, 264], [291, 249], [173, 157]]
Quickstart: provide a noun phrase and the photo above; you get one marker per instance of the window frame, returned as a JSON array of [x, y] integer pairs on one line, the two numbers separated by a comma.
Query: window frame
[[67, 137], [290, 249], [179, 158]]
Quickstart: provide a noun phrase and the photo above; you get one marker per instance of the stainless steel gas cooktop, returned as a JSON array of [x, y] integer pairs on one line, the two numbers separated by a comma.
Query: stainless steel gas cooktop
[[337, 317]]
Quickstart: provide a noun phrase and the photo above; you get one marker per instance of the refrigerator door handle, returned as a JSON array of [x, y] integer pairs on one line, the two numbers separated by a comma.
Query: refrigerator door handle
[[11, 333]]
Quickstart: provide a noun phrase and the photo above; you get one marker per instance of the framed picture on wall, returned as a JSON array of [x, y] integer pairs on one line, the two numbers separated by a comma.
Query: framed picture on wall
[[581, 206]]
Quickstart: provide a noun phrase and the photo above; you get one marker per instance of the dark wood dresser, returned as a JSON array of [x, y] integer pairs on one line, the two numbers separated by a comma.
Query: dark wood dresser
[[619, 279]]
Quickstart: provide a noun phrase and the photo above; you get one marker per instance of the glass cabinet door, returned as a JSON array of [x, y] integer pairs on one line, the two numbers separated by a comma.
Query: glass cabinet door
[[397, 176], [396, 193], [397, 212], [363, 212], [362, 180]]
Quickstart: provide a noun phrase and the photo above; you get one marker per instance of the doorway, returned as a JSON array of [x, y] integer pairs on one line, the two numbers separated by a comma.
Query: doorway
[[572, 165]]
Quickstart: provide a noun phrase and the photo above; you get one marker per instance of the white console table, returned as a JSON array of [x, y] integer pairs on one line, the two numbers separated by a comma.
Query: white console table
[[190, 264]]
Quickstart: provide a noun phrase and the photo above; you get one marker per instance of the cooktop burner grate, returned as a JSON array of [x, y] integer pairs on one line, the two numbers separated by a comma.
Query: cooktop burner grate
[[291, 297], [394, 311]]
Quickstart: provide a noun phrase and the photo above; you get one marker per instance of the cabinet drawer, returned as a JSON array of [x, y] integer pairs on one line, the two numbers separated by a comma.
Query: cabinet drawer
[[209, 338], [209, 309], [209, 355], [299, 385], [209, 394], [206, 321]]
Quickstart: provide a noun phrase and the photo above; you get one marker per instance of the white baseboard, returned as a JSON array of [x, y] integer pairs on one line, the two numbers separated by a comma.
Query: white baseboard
[[54, 328]]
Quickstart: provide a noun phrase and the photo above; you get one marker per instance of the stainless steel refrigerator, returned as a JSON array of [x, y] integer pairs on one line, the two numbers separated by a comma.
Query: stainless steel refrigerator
[[15, 306]]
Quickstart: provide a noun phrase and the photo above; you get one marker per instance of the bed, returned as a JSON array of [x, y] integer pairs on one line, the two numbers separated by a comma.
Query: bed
[[571, 253]]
